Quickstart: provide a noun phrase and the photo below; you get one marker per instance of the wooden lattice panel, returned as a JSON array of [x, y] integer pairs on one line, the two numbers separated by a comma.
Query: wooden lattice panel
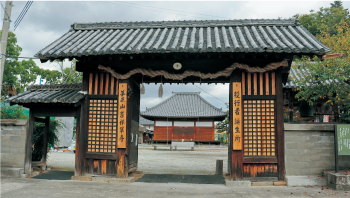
[[102, 132], [259, 127]]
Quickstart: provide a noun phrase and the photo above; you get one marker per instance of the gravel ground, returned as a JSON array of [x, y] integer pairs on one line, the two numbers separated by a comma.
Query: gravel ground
[[64, 161], [202, 161]]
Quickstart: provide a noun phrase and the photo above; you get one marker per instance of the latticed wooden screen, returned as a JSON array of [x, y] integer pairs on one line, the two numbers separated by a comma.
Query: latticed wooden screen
[[259, 127], [102, 132]]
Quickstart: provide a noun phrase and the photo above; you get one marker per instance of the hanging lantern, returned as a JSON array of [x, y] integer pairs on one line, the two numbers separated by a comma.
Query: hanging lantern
[[306, 110]]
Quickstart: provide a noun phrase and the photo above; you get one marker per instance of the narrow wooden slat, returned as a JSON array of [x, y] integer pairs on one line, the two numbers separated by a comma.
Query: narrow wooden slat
[[273, 84], [101, 83], [96, 83], [255, 84], [90, 83], [267, 83], [112, 85], [107, 84], [249, 77], [243, 83], [116, 87], [261, 79]]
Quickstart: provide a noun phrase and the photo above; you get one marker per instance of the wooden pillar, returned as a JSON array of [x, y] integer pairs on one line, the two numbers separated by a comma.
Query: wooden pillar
[[29, 142], [290, 106], [46, 133], [280, 125], [235, 156], [77, 133], [82, 131]]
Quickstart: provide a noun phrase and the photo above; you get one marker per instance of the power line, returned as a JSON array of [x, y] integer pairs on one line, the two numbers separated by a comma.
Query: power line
[[155, 9], [23, 13], [210, 94]]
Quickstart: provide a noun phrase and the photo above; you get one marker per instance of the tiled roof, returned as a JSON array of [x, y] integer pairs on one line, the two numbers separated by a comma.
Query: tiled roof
[[144, 121], [297, 74], [62, 93], [263, 35], [184, 105]]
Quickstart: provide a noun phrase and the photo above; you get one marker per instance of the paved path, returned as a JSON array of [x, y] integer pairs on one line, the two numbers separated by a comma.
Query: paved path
[[36, 188], [202, 161]]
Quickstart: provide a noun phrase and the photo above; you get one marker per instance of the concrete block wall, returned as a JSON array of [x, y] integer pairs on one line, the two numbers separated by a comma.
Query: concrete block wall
[[13, 142], [309, 149]]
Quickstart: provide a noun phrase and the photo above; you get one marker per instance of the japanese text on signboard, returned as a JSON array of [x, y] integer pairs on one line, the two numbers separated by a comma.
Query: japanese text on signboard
[[122, 97], [237, 116], [343, 139]]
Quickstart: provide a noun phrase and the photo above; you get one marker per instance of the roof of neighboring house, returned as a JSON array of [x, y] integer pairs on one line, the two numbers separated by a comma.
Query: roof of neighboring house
[[144, 121], [60, 93], [184, 105], [247, 35], [297, 74]]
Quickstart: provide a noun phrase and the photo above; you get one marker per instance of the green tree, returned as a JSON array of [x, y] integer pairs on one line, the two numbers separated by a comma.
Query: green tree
[[336, 4], [69, 74], [224, 125], [325, 19], [329, 78]]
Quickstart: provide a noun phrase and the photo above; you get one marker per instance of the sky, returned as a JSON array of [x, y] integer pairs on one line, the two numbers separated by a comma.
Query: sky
[[45, 21]]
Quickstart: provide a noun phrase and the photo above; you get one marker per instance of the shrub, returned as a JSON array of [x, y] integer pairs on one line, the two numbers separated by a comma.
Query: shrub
[[12, 112], [38, 137]]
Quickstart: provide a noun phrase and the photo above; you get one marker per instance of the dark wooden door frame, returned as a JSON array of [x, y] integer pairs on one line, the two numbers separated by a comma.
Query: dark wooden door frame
[[47, 112]]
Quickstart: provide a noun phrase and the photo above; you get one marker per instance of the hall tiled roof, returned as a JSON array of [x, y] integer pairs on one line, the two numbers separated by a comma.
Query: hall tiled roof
[[297, 74], [184, 105], [144, 121], [61, 93], [260, 35]]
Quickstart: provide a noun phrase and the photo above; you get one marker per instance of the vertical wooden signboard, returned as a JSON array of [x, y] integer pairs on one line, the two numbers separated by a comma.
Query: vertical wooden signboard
[[122, 98], [341, 142], [237, 116]]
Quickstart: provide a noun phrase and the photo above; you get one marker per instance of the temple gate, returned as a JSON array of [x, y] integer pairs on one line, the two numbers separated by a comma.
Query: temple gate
[[253, 56]]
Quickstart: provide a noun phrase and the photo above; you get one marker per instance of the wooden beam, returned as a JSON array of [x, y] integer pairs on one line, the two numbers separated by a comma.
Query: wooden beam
[[41, 120], [280, 126], [55, 112], [46, 134], [29, 143], [265, 160], [235, 156]]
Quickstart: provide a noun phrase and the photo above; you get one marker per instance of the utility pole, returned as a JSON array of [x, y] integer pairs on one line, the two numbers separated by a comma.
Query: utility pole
[[5, 31]]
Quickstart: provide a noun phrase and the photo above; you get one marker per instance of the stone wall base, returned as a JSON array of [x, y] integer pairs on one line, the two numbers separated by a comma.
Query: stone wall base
[[12, 172], [338, 181], [306, 181]]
